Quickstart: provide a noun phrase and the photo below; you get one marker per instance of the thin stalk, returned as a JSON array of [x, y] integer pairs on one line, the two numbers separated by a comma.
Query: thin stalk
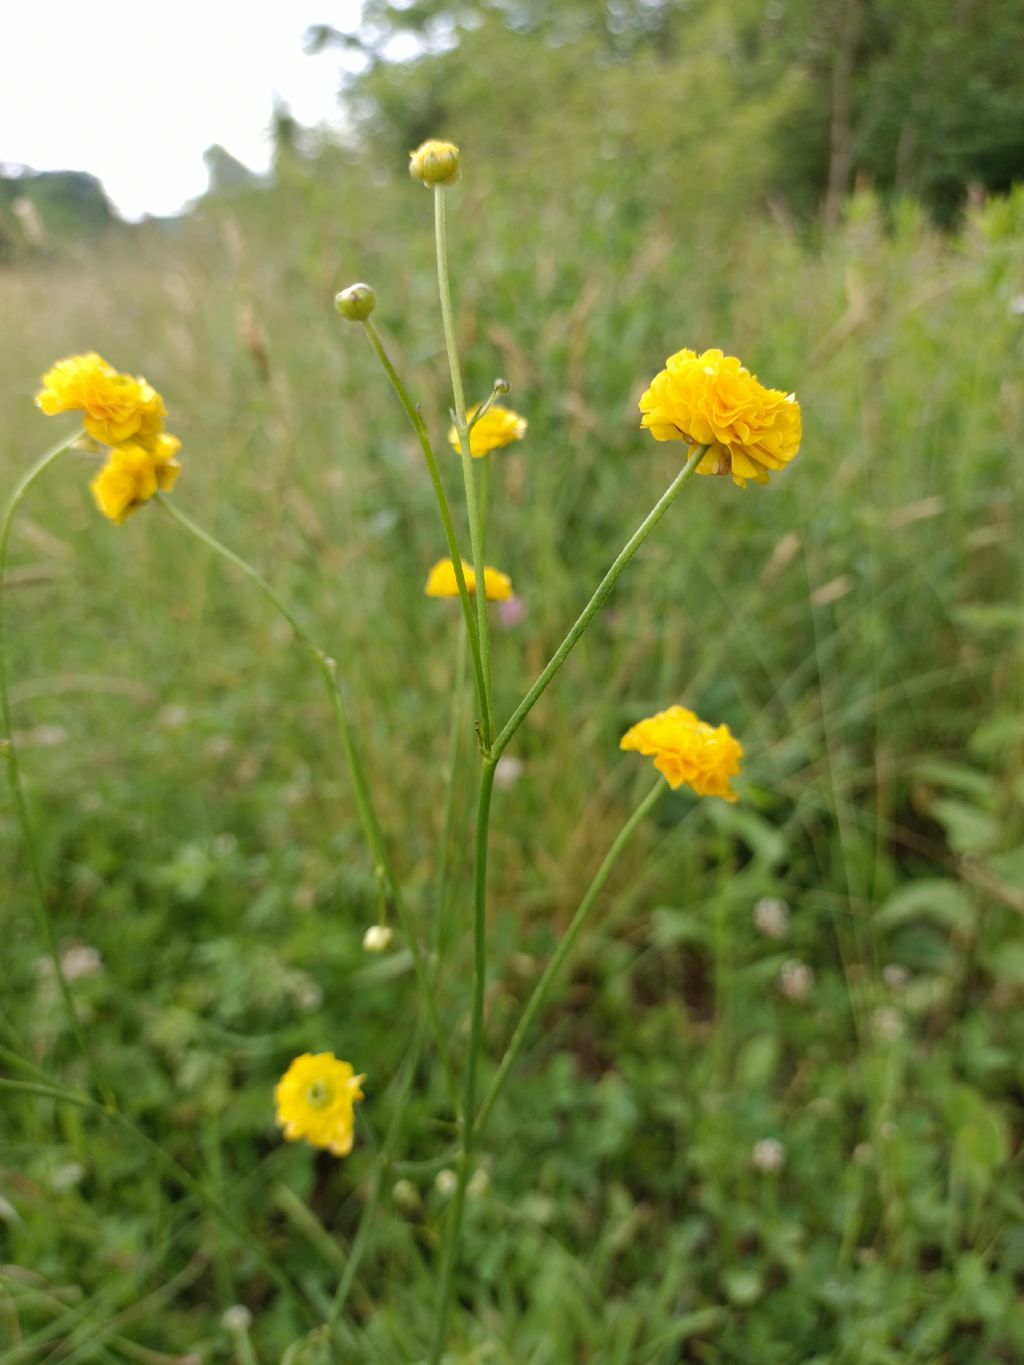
[[175, 1170], [420, 427], [599, 598], [14, 773], [372, 833], [469, 1125], [565, 947], [383, 1167], [484, 492], [448, 820], [468, 472]]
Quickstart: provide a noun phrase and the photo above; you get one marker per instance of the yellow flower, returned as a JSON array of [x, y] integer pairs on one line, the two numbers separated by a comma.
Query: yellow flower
[[315, 1100], [710, 399], [116, 407], [496, 428], [441, 581], [125, 414], [688, 750], [435, 162], [133, 473]]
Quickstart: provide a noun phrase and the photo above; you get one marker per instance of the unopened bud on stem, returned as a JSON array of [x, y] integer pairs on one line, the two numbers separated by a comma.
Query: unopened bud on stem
[[356, 303], [435, 163]]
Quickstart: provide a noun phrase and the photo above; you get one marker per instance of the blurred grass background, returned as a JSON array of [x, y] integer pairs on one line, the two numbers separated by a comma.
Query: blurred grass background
[[857, 624]]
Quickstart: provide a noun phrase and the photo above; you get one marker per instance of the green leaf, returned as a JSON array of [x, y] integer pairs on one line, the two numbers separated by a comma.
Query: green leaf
[[958, 777], [757, 1061], [943, 902], [969, 830], [1009, 866], [766, 842]]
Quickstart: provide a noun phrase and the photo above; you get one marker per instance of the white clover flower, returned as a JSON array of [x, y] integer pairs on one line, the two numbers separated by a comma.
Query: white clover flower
[[796, 980], [771, 917], [768, 1156]]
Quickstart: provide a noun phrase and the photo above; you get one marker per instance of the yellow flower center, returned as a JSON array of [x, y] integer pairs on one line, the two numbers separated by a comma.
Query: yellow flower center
[[318, 1094]]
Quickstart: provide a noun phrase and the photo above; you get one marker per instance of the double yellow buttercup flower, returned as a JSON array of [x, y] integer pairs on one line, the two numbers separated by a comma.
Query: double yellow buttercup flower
[[712, 399], [124, 413], [687, 751]]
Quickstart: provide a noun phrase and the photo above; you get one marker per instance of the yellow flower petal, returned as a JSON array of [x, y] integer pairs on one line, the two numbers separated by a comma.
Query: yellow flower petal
[[496, 428], [315, 1100], [711, 399], [687, 751], [441, 581]]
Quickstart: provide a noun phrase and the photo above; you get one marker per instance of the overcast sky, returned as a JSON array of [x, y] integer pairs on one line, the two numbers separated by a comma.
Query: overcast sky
[[135, 92]]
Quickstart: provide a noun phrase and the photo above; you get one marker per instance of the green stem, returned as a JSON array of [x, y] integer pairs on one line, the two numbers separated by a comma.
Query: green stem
[[468, 472], [469, 1125], [484, 492], [384, 1158], [14, 771], [565, 947], [175, 1170], [448, 821], [599, 598], [372, 833], [420, 427]]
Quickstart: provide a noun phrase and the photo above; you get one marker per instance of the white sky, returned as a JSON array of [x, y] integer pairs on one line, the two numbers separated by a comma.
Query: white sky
[[135, 92]]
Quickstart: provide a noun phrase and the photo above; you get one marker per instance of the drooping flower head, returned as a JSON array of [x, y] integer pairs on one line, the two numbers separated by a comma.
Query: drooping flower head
[[435, 162], [686, 750], [124, 413], [315, 1099], [133, 474], [496, 428], [441, 581], [711, 399]]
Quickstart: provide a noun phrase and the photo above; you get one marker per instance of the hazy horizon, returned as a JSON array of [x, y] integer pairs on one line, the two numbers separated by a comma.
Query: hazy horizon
[[137, 101]]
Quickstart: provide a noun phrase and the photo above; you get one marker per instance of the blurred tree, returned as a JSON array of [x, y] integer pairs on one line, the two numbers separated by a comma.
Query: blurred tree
[[226, 172], [924, 96], [39, 209]]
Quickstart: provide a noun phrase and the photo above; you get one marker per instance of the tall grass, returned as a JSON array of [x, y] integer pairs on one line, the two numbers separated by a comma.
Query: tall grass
[[857, 624]]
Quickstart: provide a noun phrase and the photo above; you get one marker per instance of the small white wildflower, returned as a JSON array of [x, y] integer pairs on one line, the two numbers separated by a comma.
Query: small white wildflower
[[79, 961], [796, 980], [771, 917], [478, 1182], [1017, 305], [237, 1318], [895, 975], [406, 1195], [172, 717], [66, 1176], [507, 771], [887, 1024], [445, 1182], [768, 1156], [309, 997], [44, 737], [377, 938]]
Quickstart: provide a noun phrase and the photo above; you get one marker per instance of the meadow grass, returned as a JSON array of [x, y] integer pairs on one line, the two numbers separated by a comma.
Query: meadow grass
[[857, 624]]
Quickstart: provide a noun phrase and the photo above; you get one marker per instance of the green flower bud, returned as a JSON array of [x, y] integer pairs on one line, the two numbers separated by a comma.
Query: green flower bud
[[356, 303], [435, 163]]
